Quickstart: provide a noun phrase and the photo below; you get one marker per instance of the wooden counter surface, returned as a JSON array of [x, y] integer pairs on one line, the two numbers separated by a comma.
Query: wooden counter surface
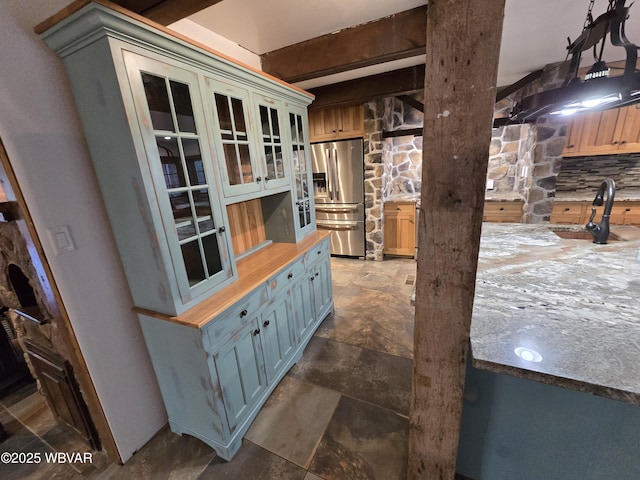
[[253, 271]]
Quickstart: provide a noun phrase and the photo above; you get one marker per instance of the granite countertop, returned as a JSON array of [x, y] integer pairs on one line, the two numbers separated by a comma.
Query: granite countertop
[[575, 303]]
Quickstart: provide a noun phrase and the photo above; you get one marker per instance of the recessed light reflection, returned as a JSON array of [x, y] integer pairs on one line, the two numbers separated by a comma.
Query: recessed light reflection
[[528, 354]]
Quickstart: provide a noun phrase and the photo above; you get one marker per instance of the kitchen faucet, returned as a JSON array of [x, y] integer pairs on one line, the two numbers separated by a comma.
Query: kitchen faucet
[[600, 232]]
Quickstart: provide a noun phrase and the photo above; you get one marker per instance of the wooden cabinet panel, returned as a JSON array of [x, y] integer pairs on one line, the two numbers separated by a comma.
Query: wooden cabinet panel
[[240, 368], [630, 134], [278, 334], [62, 392], [502, 212], [606, 132], [336, 123], [400, 228]]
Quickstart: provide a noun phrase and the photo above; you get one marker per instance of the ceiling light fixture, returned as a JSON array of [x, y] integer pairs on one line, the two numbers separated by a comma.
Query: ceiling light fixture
[[598, 90]]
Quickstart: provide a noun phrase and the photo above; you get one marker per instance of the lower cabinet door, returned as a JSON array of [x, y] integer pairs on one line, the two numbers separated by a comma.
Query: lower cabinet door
[[321, 281], [302, 295], [241, 372], [278, 335]]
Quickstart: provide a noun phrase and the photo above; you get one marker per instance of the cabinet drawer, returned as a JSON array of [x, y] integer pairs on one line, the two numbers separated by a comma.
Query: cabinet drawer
[[401, 208], [233, 320], [284, 278], [574, 208], [625, 214], [318, 251], [510, 212]]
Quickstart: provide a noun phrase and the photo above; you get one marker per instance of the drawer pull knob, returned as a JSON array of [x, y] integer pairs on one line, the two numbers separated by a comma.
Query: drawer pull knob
[[319, 252], [221, 229], [627, 209], [256, 332], [290, 276], [266, 323], [243, 313]]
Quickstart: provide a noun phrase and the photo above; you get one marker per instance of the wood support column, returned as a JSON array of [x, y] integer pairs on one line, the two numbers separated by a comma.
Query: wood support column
[[463, 43]]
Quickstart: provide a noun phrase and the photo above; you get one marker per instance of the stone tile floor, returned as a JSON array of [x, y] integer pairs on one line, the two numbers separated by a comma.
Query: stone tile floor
[[341, 413]]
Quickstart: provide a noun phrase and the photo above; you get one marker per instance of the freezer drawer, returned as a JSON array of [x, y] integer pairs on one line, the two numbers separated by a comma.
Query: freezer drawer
[[347, 237]]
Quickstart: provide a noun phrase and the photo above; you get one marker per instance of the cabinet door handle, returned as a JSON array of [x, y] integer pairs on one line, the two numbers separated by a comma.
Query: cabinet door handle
[[221, 229], [265, 324], [317, 274], [266, 179], [258, 179], [256, 332], [290, 276], [313, 278], [243, 313], [319, 252]]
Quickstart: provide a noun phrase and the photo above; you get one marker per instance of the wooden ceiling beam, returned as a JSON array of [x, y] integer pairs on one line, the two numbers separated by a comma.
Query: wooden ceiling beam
[[360, 90], [165, 12], [391, 38]]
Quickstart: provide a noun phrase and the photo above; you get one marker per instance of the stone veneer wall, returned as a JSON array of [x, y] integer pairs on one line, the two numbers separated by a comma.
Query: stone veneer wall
[[524, 160], [393, 166]]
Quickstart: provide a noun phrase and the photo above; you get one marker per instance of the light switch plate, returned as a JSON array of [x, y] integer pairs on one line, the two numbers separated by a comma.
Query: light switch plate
[[61, 239]]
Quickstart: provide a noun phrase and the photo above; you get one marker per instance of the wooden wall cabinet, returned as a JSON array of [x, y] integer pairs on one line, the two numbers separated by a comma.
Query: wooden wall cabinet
[[607, 132], [336, 123], [400, 228], [183, 142], [502, 212]]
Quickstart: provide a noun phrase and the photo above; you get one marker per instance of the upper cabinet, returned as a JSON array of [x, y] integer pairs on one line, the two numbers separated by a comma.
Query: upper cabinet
[[251, 143], [180, 139], [301, 160], [607, 132], [336, 123], [173, 131]]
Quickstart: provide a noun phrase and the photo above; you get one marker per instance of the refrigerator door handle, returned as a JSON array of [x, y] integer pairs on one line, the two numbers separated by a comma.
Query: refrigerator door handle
[[346, 209], [335, 173], [338, 226], [329, 174]]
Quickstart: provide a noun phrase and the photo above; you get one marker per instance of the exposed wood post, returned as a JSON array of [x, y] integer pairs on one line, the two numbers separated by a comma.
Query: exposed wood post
[[463, 42]]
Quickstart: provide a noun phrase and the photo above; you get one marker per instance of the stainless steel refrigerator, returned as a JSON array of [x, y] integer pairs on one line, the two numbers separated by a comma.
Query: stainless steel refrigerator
[[338, 182]]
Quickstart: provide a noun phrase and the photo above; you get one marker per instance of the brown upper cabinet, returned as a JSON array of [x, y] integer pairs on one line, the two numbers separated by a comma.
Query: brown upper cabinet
[[605, 132], [336, 123]]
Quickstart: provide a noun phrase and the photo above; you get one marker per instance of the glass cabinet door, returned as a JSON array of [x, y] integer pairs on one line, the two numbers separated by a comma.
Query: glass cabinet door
[[274, 170], [176, 146], [302, 172], [232, 123]]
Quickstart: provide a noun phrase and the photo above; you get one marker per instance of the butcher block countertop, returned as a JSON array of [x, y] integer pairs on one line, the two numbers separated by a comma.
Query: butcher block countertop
[[572, 305], [253, 271]]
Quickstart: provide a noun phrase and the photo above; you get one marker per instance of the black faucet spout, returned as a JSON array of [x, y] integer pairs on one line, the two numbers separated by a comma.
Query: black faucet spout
[[600, 232]]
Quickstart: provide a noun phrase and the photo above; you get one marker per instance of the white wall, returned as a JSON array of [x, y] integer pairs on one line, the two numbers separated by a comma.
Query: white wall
[[45, 144], [217, 42]]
